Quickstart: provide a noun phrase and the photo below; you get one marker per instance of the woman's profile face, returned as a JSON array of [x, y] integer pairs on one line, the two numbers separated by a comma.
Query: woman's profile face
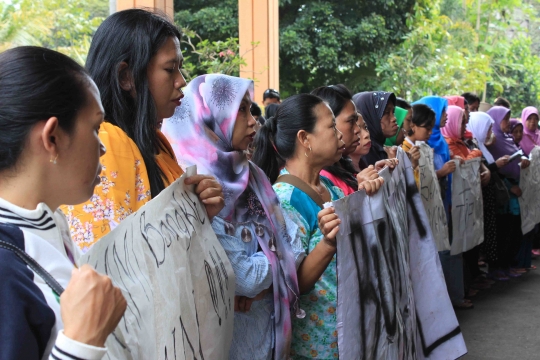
[[365, 140], [505, 124], [444, 119], [79, 163], [388, 121], [325, 140], [346, 123], [165, 80], [244, 126]]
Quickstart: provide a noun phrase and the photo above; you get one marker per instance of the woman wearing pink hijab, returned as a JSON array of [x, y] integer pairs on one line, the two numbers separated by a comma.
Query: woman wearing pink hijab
[[453, 133], [531, 134]]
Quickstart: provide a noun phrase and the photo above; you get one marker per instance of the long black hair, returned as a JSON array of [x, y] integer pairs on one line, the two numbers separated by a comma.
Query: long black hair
[[337, 96], [275, 142], [132, 36], [35, 85]]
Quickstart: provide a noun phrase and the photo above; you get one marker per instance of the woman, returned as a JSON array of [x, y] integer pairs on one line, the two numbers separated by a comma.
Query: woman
[[135, 60], [377, 108], [301, 140], [400, 114], [444, 167], [343, 174], [509, 235], [480, 125], [516, 129], [422, 122], [531, 134], [461, 102], [49, 155], [212, 129], [525, 254], [454, 132]]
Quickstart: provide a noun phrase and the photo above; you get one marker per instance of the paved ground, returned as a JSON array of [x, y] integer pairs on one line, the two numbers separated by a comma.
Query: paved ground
[[505, 321]]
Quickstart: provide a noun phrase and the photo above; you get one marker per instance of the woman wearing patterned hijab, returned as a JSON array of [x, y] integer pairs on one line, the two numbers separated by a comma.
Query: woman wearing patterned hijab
[[377, 109], [211, 129]]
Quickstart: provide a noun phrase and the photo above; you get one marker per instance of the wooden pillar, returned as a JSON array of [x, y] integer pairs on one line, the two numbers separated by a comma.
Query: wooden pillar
[[259, 22], [166, 6]]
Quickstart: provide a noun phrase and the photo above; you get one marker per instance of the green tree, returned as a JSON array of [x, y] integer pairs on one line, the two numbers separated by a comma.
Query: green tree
[[63, 25]]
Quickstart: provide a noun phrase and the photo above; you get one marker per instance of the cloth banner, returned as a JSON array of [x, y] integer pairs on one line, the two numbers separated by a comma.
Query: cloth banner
[[392, 298], [467, 207], [529, 201], [176, 278], [430, 193]]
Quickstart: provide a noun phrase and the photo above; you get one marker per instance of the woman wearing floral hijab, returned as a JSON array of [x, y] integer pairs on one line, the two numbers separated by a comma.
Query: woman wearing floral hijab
[[211, 129], [377, 109], [531, 134]]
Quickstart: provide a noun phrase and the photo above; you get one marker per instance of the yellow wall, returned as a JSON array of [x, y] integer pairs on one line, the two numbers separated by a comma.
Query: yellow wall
[[259, 22]]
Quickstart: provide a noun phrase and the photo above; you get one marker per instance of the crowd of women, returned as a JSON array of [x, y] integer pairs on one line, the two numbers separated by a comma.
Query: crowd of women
[[129, 122]]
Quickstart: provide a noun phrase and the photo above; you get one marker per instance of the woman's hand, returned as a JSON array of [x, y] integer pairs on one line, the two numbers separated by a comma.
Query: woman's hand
[[448, 168], [391, 151], [329, 225], [209, 191], [516, 190], [369, 173], [525, 163], [391, 163], [485, 177], [414, 155], [461, 160], [91, 307], [502, 161], [243, 303], [371, 186]]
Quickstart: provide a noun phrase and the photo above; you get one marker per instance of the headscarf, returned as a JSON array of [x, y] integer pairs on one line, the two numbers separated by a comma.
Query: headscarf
[[530, 138], [400, 114], [479, 125], [456, 100], [513, 124], [201, 132], [504, 143], [459, 101], [436, 141], [371, 104], [452, 129]]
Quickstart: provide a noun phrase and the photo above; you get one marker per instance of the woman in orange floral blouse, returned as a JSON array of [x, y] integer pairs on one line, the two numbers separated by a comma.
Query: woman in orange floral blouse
[[135, 60]]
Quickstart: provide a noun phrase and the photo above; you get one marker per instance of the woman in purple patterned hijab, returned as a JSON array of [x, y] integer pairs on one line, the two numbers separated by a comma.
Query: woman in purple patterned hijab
[[212, 129]]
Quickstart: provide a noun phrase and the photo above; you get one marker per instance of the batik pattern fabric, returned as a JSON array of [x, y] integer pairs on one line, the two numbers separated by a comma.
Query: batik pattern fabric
[[314, 336], [201, 132]]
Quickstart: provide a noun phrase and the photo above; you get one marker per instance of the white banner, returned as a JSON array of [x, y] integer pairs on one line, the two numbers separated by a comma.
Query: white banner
[[392, 298], [467, 207], [529, 201], [430, 191], [176, 278]]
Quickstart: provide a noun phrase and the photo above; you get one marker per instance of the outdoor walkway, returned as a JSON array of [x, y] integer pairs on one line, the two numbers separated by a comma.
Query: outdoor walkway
[[505, 321]]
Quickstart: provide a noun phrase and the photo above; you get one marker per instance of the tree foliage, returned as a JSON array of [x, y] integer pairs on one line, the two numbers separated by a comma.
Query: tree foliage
[[63, 25]]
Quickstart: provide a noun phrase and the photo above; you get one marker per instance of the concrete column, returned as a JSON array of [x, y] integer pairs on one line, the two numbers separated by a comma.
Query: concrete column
[[259, 22], [166, 6]]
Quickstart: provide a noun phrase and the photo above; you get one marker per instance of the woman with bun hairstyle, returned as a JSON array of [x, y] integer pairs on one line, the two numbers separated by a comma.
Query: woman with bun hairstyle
[[300, 140], [49, 155]]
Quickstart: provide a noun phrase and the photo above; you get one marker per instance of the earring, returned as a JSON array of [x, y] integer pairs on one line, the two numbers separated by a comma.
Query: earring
[[54, 160], [309, 151]]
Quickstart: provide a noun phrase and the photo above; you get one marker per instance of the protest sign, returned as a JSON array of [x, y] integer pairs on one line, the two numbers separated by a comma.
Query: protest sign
[[529, 201], [430, 193], [392, 298], [176, 278], [467, 207]]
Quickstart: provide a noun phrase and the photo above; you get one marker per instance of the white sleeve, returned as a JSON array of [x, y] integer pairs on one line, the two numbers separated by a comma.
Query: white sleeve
[[68, 349]]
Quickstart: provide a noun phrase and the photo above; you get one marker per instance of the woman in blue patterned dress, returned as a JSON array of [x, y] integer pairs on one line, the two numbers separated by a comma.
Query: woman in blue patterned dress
[[300, 140]]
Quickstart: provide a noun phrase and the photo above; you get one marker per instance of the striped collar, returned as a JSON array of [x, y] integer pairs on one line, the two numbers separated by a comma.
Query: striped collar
[[43, 222]]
